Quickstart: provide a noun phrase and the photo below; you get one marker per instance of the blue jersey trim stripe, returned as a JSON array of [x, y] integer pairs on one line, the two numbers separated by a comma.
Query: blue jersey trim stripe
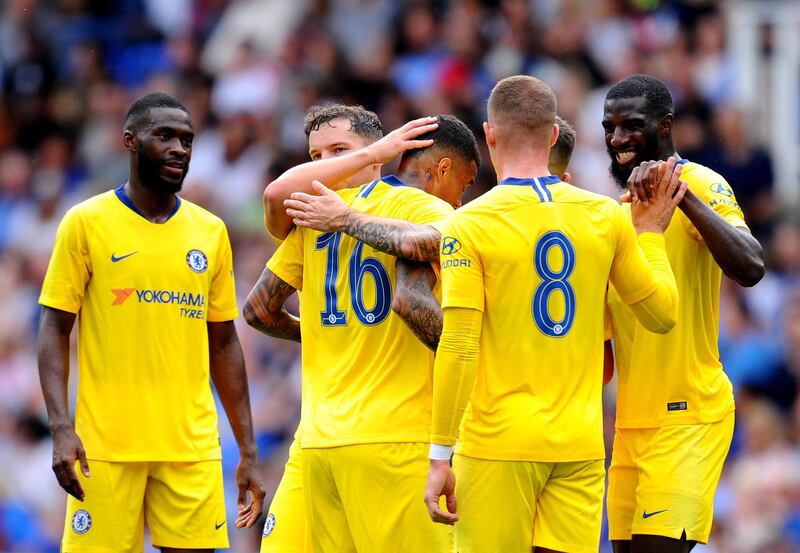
[[539, 185], [125, 199], [391, 180]]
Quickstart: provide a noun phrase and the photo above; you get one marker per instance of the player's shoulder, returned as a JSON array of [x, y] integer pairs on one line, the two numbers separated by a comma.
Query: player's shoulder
[[572, 194], [201, 214], [391, 196], [702, 179], [93, 207]]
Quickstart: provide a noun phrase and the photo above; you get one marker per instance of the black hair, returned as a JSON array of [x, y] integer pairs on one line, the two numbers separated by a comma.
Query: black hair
[[453, 137], [658, 100], [141, 107], [561, 152], [363, 122]]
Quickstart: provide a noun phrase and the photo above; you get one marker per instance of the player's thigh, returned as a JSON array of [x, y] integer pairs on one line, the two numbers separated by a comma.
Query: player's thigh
[[185, 505], [570, 508], [642, 543], [382, 488], [111, 517], [325, 514], [496, 504], [285, 529], [679, 469], [623, 479]]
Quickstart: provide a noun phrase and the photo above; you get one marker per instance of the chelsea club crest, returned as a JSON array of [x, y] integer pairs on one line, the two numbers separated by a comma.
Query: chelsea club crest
[[197, 261], [81, 521], [269, 525]]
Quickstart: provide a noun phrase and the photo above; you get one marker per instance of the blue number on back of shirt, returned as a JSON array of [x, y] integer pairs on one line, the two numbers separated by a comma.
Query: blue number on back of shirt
[[358, 269], [554, 281], [332, 316]]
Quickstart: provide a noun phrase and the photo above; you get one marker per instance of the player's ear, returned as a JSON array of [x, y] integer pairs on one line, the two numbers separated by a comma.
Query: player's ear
[[554, 138], [665, 126], [129, 140], [565, 177], [443, 167], [491, 138]]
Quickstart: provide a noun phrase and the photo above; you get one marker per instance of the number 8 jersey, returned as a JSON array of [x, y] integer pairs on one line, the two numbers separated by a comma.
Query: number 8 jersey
[[535, 256], [366, 377]]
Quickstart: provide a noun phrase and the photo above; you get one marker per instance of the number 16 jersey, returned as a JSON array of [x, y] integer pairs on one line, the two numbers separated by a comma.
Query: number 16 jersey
[[366, 376], [535, 256]]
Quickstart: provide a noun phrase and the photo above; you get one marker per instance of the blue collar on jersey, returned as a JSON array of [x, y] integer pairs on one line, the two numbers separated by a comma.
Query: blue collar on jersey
[[391, 180], [682, 161], [539, 185], [125, 199]]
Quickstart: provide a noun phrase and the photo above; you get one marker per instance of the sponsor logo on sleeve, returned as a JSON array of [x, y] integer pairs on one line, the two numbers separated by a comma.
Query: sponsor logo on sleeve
[[722, 189], [450, 245]]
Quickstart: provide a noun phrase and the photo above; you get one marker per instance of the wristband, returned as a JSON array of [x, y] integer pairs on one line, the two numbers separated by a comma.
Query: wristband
[[440, 452]]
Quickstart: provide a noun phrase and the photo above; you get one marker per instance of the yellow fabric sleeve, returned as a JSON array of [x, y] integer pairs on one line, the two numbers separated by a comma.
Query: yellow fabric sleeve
[[454, 371], [716, 193], [287, 262], [70, 266], [222, 295], [658, 312]]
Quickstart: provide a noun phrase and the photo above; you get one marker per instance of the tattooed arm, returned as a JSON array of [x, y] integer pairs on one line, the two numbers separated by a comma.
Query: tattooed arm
[[394, 236], [415, 303], [264, 311], [327, 212]]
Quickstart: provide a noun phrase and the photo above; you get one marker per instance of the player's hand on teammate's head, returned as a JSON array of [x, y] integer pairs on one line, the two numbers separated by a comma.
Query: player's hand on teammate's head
[[402, 139], [657, 190], [325, 212], [441, 482], [248, 479], [67, 449]]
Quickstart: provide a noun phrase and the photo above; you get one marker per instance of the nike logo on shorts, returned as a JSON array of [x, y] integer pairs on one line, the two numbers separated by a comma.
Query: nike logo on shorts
[[645, 514], [219, 525]]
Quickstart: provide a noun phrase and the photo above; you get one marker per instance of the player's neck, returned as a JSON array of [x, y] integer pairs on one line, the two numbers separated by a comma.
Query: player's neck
[[155, 206], [521, 168], [667, 149], [520, 162]]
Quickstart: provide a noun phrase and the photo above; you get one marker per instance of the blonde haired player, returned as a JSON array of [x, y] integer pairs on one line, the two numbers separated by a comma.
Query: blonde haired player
[[524, 270]]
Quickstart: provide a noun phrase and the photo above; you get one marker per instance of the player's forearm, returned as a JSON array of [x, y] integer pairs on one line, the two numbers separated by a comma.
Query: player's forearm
[[53, 359], [394, 236], [658, 312], [454, 371], [330, 171], [281, 325], [735, 250], [264, 311], [230, 379], [415, 303]]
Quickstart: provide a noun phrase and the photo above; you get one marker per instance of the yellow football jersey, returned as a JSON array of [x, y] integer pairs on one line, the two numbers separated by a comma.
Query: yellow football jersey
[[535, 255], [366, 377], [143, 293], [677, 378]]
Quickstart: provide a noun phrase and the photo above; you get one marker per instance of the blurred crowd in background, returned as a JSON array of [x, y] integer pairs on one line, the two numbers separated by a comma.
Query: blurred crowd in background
[[249, 69]]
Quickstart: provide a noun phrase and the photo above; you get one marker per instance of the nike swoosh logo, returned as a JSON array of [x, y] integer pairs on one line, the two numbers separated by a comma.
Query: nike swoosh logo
[[220, 525], [645, 514], [114, 258]]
